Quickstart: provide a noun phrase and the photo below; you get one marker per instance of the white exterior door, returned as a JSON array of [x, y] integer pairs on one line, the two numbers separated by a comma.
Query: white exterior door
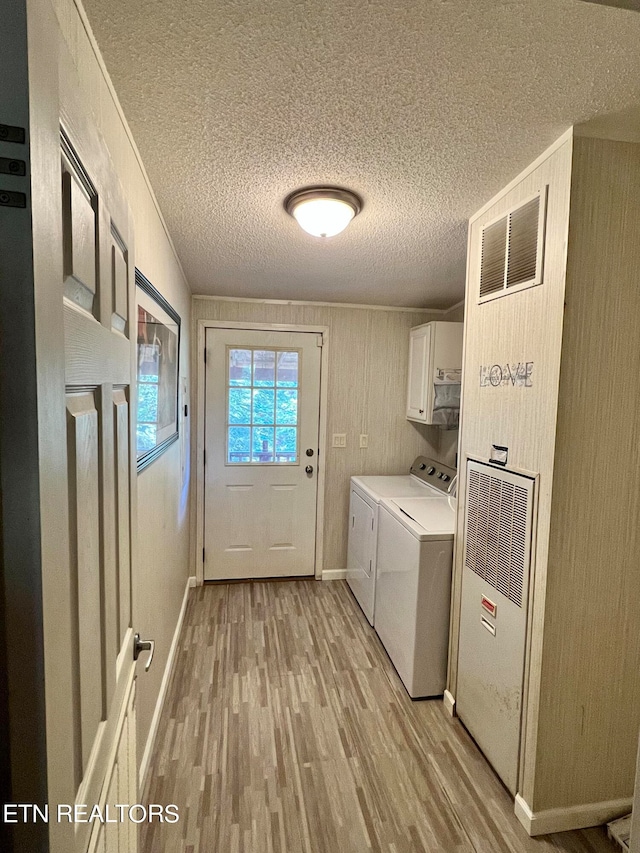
[[262, 392]]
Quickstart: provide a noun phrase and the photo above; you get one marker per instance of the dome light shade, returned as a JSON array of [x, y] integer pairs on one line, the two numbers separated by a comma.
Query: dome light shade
[[323, 211]]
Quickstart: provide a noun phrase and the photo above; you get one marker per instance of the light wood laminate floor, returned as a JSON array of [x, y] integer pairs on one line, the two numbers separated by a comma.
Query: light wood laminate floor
[[287, 730]]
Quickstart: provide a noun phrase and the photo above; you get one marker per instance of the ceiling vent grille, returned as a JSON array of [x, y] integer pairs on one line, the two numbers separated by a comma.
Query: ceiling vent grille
[[512, 249], [498, 529]]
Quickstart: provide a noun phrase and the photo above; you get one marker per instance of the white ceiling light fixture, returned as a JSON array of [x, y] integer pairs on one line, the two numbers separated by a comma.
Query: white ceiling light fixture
[[323, 211]]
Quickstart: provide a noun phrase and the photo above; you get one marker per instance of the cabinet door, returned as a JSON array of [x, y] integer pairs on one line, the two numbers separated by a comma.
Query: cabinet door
[[419, 351]]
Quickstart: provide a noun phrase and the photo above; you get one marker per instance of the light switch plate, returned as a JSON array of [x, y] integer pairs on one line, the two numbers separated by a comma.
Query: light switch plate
[[364, 440], [339, 439]]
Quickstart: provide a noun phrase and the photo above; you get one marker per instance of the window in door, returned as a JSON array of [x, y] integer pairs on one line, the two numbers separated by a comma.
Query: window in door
[[262, 406]]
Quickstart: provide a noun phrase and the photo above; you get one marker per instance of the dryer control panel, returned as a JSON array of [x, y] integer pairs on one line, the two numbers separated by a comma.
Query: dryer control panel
[[435, 473]]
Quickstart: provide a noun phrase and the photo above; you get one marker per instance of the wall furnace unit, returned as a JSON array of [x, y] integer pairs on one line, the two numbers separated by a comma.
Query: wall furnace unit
[[493, 615]]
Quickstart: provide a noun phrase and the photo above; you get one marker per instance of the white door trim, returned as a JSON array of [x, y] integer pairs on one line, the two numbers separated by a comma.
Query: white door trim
[[203, 325]]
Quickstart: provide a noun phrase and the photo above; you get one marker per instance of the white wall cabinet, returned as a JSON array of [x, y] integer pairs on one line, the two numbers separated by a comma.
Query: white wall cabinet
[[433, 347]]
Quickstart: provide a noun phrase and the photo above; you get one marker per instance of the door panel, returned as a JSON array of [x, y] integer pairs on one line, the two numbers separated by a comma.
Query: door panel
[[262, 406], [282, 518], [121, 418], [120, 278], [79, 238], [84, 523]]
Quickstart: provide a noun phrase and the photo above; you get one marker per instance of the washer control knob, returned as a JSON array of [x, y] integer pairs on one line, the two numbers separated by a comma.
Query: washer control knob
[[422, 466], [430, 470], [445, 477]]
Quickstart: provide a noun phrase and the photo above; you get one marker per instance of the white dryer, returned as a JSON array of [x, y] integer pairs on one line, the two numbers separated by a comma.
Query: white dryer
[[426, 478], [413, 591]]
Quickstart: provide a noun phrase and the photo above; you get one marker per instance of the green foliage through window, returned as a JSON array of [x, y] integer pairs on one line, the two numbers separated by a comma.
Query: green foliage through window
[[262, 406]]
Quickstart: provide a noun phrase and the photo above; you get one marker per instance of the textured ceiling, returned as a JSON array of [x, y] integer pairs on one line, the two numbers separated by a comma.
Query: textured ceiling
[[425, 108]]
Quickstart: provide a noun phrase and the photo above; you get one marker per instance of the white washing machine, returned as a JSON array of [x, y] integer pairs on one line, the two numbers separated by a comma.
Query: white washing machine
[[426, 478], [413, 589]]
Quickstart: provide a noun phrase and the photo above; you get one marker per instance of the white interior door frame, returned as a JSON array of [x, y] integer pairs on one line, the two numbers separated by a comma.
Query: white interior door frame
[[203, 325]]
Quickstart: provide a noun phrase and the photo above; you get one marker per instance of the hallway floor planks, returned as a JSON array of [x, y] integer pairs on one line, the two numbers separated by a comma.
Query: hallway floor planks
[[287, 730]]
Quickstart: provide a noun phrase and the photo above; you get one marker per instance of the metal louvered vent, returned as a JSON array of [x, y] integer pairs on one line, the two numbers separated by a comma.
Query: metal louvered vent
[[512, 249], [498, 528], [494, 246], [523, 243]]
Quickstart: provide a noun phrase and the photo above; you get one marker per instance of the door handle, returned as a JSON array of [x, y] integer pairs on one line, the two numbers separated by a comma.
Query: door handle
[[143, 646], [309, 469]]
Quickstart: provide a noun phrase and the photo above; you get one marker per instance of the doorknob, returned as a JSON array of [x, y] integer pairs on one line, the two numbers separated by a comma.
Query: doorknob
[[309, 469], [309, 451], [143, 646]]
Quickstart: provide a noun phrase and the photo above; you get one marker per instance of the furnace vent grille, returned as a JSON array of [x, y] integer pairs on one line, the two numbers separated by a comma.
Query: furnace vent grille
[[512, 249], [498, 529]]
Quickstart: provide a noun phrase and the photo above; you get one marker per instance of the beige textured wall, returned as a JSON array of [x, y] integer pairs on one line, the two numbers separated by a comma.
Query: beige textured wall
[[455, 314], [587, 742], [163, 524], [582, 692], [634, 844], [526, 326], [368, 362]]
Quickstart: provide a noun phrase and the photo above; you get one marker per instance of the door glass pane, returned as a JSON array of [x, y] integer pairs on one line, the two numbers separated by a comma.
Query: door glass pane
[[239, 444], [287, 369], [264, 367], [239, 405], [240, 367], [286, 406], [262, 406], [286, 450], [262, 444]]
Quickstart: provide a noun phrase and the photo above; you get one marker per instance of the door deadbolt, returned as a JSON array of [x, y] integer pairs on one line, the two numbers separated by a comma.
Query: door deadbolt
[[309, 451], [143, 646], [309, 469]]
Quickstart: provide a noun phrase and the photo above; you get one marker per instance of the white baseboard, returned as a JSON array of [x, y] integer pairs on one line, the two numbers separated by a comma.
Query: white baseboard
[[449, 703], [571, 817], [334, 574], [155, 722]]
